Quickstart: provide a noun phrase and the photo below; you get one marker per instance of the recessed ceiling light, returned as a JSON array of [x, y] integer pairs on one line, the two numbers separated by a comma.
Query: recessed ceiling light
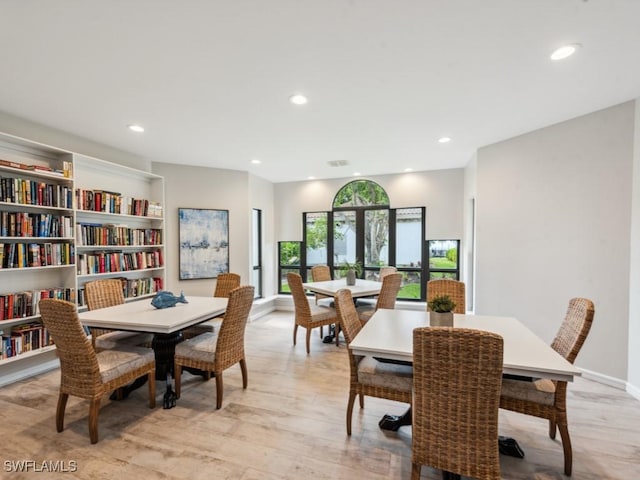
[[356, 174], [135, 128], [444, 139], [298, 99], [311, 178], [565, 51], [409, 169], [255, 161]]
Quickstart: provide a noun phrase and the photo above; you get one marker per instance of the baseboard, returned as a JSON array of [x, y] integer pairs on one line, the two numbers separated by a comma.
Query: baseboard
[[633, 391], [604, 379]]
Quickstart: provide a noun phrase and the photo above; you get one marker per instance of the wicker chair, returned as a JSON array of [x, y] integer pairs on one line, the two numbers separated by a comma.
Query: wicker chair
[[453, 288], [85, 373], [224, 284], [391, 284], [215, 352], [456, 383], [384, 271], [546, 398], [308, 316], [108, 293], [368, 375]]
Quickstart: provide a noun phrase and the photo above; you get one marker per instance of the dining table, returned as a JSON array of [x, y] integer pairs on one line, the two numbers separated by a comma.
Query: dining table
[[165, 323], [388, 336]]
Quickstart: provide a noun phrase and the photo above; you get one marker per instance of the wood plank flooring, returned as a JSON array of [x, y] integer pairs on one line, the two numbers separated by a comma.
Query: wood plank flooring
[[289, 424]]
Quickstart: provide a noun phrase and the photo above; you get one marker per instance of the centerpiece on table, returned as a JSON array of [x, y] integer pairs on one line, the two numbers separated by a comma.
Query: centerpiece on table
[[351, 271], [441, 311]]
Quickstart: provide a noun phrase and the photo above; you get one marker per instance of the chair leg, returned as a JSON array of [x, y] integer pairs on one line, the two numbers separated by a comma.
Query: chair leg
[[177, 376], [321, 330], [362, 400], [308, 341], [151, 380], [566, 446], [62, 405], [415, 471], [243, 367], [552, 428], [352, 399], [295, 331], [337, 334], [94, 409], [219, 389]]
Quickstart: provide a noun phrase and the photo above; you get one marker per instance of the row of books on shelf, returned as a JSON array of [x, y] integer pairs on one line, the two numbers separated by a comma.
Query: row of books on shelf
[[24, 338], [107, 262], [117, 235], [25, 304], [65, 171], [113, 202], [132, 288], [24, 255], [31, 192], [23, 224]]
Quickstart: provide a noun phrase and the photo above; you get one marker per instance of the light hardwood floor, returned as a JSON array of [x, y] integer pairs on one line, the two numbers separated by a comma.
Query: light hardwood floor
[[288, 424]]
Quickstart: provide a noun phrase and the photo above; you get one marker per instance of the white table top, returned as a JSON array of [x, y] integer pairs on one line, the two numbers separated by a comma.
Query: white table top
[[389, 334], [143, 317], [362, 288]]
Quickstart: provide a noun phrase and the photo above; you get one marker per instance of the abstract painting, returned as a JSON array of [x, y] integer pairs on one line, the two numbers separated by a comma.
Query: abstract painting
[[204, 243]]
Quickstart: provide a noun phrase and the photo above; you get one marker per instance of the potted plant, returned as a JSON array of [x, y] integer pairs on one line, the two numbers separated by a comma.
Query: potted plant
[[352, 271], [441, 311]]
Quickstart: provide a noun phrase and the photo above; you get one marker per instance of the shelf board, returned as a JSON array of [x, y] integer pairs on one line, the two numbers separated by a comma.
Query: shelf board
[[26, 355]]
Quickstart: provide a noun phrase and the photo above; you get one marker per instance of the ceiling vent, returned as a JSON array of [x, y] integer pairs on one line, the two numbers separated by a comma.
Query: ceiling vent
[[338, 163]]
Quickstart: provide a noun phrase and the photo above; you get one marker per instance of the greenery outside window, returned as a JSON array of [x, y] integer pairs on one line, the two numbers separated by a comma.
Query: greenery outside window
[[288, 261]]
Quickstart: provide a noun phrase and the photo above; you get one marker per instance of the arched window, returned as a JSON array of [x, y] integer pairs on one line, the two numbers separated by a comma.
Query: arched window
[[361, 227], [361, 193]]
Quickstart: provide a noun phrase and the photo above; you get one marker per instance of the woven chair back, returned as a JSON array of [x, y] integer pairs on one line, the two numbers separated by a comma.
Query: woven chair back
[[225, 283], [80, 373], [574, 329], [454, 289], [389, 292], [457, 377], [320, 273], [230, 343], [384, 271], [347, 314], [300, 301], [103, 293]]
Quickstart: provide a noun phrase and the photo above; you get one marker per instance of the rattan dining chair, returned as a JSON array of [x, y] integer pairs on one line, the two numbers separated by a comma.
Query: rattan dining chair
[[215, 352], [454, 289], [546, 398], [225, 283], [108, 293], [368, 375], [306, 315], [86, 373], [387, 270], [391, 284], [322, 273], [456, 384]]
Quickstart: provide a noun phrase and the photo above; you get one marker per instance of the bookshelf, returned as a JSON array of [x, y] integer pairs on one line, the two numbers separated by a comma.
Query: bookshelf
[[67, 219]]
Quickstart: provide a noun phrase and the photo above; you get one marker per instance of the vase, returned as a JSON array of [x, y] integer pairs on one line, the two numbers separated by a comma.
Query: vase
[[351, 277], [441, 319]]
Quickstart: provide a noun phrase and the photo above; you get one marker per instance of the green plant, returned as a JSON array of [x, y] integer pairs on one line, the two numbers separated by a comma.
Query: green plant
[[441, 304], [356, 267]]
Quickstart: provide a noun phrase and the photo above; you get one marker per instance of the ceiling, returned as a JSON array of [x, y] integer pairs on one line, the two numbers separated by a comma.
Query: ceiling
[[210, 80]]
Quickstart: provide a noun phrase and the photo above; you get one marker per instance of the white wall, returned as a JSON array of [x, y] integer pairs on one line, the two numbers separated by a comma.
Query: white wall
[[553, 222], [441, 191], [261, 196], [200, 187], [634, 290]]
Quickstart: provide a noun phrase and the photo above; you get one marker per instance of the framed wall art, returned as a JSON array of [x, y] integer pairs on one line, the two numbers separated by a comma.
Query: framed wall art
[[204, 242]]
